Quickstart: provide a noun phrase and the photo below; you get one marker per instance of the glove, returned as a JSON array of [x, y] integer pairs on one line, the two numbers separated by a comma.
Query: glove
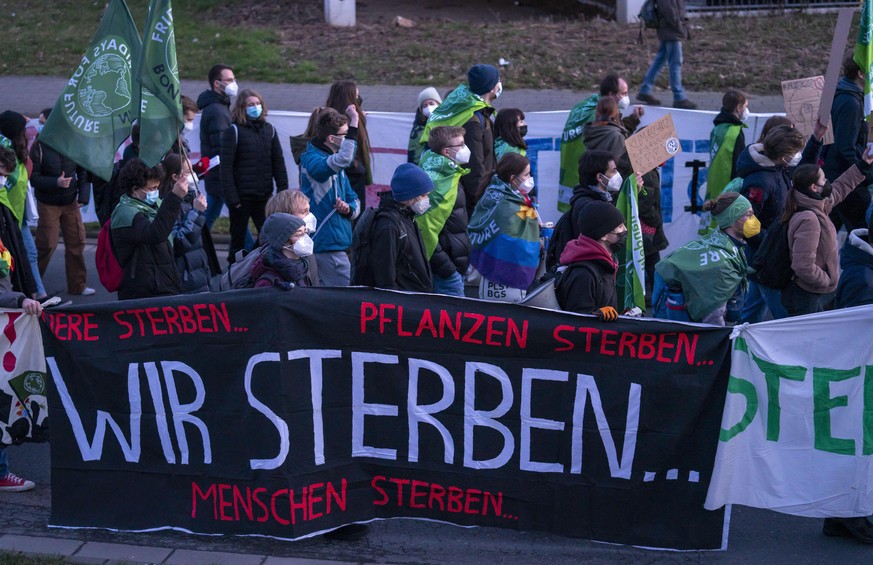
[[607, 314], [201, 166]]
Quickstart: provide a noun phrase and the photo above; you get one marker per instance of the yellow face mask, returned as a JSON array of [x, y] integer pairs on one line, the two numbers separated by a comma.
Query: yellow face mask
[[751, 227]]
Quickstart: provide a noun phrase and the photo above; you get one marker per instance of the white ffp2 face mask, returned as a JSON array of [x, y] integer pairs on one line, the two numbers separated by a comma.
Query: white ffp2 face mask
[[303, 247], [428, 110], [614, 184], [231, 89], [421, 206], [527, 185], [624, 102], [462, 157], [311, 222]]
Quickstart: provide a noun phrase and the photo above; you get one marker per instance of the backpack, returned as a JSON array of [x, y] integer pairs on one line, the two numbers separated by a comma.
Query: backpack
[[772, 262], [361, 268], [649, 15], [239, 273], [108, 268]]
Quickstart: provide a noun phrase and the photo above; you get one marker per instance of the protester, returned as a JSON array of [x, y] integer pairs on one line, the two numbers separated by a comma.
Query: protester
[[504, 233], [189, 113], [13, 192], [61, 189], [331, 197], [711, 289], [598, 179], [444, 225], [772, 122], [812, 237], [343, 94], [606, 133], [296, 203], [395, 257], [251, 161], [9, 482], [848, 116], [141, 231], [191, 258], [509, 131], [283, 265], [299, 142], [672, 29], [470, 106], [726, 141], [587, 282], [428, 100], [856, 261], [766, 170], [214, 104]]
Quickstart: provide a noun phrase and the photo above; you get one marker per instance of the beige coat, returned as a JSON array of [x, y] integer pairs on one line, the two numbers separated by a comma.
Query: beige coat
[[812, 237]]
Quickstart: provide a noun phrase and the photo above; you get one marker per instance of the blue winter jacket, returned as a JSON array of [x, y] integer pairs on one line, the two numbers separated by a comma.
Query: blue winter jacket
[[323, 180], [856, 281]]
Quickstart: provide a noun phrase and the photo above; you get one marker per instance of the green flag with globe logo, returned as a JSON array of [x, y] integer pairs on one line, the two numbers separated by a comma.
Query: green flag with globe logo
[[160, 118], [93, 114], [864, 54]]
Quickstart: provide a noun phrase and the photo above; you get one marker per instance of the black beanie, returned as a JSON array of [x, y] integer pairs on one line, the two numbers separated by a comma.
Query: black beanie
[[482, 78], [598, 219]]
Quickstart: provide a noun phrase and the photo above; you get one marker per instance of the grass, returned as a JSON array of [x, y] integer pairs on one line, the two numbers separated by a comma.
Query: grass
[[10, 558], [272, 41]]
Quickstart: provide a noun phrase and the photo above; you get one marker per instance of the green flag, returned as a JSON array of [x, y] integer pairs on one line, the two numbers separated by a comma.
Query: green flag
[[456, 110], [93, 114], [445, 175], [864, 54], [572, 148], [630, 282], [160, 117]]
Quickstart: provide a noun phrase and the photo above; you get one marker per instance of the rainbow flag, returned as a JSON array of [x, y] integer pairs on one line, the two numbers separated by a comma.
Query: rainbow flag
[[504, 234]]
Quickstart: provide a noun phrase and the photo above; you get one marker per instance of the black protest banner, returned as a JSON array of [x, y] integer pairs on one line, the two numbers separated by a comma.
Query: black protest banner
[[290, 413]]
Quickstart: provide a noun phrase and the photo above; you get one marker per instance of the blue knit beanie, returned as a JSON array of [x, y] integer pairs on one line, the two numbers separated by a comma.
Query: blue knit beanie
[[409, 181], [482, 78]]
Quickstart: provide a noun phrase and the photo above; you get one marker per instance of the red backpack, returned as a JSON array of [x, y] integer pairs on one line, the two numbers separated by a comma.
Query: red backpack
[[108, 267]]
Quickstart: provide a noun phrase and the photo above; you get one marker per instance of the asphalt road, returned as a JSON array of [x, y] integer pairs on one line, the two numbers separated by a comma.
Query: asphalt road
[[756, 536]]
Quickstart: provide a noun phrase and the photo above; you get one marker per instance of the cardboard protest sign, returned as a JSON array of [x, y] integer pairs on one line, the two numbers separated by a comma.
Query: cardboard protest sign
[[653, 145], [801, 99]]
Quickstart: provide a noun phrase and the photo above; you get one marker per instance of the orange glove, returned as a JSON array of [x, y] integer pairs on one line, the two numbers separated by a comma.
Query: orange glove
[[607, 314]]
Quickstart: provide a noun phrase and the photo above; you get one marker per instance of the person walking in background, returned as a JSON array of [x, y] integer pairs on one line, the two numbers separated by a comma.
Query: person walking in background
[[13, 192], [428, 100], [673, 29], [726, 141], [251, 161], [360, 172], [509, 131], [61, 189], [331, 198]]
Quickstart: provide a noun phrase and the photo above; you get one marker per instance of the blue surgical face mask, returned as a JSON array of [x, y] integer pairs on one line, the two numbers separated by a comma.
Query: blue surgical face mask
[[254, 112], [151, 196]]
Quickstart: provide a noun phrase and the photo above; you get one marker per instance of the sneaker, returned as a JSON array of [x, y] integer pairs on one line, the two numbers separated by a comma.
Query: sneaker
[[648, 99], [351, 532], [685, 104], [859, 528], [13, 483], [87, 291]]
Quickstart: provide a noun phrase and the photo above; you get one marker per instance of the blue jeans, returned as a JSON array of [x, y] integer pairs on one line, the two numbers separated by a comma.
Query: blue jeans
[[669, 52], [760, 299], [214, 204], [451, 286], [32, 256]]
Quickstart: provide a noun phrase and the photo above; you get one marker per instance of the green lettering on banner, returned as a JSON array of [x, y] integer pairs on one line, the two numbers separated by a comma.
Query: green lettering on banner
[[823, 403], [747, 389], [772, 374], [868, 410]]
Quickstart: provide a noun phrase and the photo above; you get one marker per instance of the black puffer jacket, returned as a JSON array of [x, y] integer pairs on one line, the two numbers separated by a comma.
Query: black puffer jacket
[[479, 137], [143, 249], [48, 165], [214, 119], [191, 258], [397, 255], [251, 158], [452, 252]]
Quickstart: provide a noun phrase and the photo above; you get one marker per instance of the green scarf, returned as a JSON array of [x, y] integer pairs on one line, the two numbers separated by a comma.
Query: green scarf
[[722, 142], [572, 148], [128, 208], [445, 175], [456, 110], [709, 270], [501, 148]]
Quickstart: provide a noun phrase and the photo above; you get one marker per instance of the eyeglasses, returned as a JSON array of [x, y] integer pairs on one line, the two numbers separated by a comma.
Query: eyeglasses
[[231, 79]]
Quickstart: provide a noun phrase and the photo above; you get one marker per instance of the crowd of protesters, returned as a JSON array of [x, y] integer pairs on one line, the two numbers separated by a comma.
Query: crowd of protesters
[[461, 215]]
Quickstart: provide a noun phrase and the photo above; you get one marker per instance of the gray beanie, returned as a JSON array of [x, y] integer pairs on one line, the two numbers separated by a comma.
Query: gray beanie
[[279, 227], [429, 93]]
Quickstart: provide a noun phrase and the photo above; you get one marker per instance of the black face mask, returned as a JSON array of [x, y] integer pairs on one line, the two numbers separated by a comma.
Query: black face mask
[[619, 243], [827, 189], [522, 130], [359, 100]]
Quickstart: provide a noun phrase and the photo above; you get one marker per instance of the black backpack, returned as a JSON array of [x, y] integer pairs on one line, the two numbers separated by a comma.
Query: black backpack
[[772, 262], [649, 14], [361, 267]]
